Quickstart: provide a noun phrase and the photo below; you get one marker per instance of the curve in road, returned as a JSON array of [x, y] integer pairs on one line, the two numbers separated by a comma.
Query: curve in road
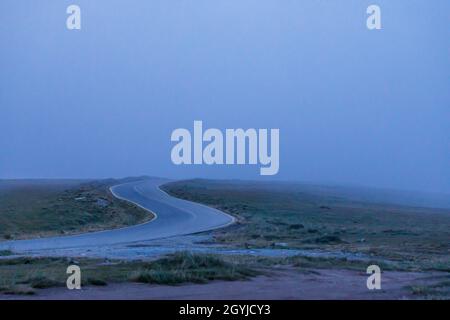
[[173, 217]]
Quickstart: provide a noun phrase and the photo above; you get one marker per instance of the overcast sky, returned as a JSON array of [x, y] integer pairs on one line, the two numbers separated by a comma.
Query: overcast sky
[[353, 106]]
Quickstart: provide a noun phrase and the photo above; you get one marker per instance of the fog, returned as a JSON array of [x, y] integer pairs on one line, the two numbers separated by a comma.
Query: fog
[[354, 106]]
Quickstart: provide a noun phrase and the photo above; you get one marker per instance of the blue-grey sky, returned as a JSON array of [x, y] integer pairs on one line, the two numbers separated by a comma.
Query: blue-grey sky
[[353, 106]]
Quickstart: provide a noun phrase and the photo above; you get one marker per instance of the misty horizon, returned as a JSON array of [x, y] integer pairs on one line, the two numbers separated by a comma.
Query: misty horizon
[[354, 107]]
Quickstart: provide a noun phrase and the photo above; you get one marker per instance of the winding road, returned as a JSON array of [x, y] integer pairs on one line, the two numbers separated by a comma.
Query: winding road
[[173, 217]]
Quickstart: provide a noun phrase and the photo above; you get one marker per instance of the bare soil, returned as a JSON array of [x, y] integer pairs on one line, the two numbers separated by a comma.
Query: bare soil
[[283, 284]]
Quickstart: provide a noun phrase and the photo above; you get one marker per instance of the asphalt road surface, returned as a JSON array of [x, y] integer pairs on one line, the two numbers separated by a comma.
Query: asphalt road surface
[[173, 217]]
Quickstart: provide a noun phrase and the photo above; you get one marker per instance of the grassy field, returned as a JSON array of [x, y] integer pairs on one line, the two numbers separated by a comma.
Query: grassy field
[[25, 275], [32, 208], [298, 216], [276, 215]]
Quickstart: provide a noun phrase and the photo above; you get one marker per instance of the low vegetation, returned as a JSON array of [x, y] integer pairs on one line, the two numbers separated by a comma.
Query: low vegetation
[[274, 216], [187, 267], [33, 208], [4, 253], [25, 275], [285, 215], [439, 289]]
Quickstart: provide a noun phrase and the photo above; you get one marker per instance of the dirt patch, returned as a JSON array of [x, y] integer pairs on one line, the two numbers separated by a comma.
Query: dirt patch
[[283, 284]]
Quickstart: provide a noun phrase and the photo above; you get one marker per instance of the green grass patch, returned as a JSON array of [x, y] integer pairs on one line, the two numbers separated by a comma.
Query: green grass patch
[[4, 253], [24, 275], [196, 268], [32, 208], [42, 282], [438, 288], [312, 217], [97, 282]]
